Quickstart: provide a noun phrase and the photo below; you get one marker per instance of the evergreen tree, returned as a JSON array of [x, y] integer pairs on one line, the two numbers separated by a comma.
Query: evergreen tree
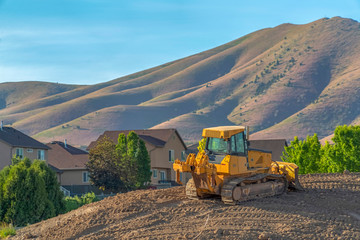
[[25, 190], [143, 163], [135, 160], [55, 204]]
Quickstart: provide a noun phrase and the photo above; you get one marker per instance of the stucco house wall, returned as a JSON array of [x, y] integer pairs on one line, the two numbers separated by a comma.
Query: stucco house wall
[[5, 155], [72, 177], [30, 153]]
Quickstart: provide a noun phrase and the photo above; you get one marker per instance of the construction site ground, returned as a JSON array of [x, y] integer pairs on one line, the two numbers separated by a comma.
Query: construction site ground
[[329, 208]]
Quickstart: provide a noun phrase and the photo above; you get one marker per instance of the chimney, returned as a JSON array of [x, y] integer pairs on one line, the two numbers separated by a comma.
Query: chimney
[[65, 143]]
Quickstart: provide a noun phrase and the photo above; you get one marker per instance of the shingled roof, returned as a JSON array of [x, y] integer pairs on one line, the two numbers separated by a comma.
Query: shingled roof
[[155, 137], [16, 138], [66, 157]]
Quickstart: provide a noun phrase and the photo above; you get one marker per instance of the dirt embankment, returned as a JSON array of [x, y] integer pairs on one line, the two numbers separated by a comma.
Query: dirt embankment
[[329, 208]]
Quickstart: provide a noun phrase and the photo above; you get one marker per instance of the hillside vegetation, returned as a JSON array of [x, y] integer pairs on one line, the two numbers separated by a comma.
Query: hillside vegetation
[[283, 81]]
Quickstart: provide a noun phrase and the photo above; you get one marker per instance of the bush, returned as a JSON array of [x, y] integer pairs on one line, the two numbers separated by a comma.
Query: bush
[[72, 203], [29, 192], [6, 230]]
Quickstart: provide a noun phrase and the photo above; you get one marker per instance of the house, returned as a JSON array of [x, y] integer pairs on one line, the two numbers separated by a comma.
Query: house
[[16, 143], [164, 146], [69, 164], [276, 146]]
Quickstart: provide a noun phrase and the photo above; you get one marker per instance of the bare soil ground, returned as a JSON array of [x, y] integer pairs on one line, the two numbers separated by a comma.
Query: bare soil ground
[[329, 208]]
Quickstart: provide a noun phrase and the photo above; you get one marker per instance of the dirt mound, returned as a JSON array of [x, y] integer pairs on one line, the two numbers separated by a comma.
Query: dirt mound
[[329, 208]]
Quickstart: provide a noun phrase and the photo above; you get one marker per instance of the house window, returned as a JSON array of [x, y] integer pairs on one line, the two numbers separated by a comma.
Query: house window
[[162, 175], [29, 150], [85, 177], [154, 173], [20, 152], [41, 155], [171, 155], [182, 155]]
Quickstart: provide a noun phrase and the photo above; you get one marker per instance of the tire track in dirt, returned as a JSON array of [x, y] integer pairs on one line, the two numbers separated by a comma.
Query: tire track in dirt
[[329, 208]]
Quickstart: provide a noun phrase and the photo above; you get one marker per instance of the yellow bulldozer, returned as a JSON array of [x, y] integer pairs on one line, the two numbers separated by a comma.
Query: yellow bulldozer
[[227, 167]]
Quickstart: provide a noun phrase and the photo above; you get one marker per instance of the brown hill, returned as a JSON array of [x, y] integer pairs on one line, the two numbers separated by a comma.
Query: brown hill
[[327, 209], [283, 81]]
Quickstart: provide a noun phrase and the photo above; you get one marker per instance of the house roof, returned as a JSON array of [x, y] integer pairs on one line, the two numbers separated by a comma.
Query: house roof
[[66, 158], [154, 141], [55, 169], [16, 138], [70, 149], [155, 137], [193, 148]]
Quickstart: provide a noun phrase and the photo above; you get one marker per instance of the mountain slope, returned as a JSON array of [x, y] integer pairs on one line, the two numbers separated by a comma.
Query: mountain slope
[[283, 81]]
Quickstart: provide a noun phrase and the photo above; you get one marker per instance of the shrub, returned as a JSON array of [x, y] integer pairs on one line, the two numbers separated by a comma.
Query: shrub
[[6, 230], [72, 203], [29, 192]]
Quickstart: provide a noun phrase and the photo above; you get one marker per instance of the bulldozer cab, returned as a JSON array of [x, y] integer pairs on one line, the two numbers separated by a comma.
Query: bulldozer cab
[[235, 145], [221, 141]]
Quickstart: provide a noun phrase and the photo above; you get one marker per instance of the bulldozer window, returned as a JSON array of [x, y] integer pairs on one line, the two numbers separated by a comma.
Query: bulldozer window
[[217, 146], [238, 143]]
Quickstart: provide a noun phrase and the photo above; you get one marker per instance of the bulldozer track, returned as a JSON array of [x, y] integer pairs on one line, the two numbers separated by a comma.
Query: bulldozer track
[[227, 191]]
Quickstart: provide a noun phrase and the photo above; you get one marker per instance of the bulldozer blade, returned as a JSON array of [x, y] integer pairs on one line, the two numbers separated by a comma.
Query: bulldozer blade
[[200, 180], [296, 185]]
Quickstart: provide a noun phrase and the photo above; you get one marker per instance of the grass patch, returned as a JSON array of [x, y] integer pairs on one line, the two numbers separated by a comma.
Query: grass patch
[[6, 230]]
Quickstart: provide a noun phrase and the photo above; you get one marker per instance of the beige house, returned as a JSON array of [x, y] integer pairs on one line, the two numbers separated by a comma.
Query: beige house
[[164, 146], [69, 164], [18, 144]]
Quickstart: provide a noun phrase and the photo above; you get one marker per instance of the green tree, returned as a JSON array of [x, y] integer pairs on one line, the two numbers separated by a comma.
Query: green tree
[[24, 193], [306, 154], [143, 175], [347, 148], [327, 160], [125, 165], [105, 166], [135, 160], [55, 204]]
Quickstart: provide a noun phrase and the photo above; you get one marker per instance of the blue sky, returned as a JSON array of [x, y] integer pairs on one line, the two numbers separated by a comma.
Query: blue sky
[[92, 41]]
